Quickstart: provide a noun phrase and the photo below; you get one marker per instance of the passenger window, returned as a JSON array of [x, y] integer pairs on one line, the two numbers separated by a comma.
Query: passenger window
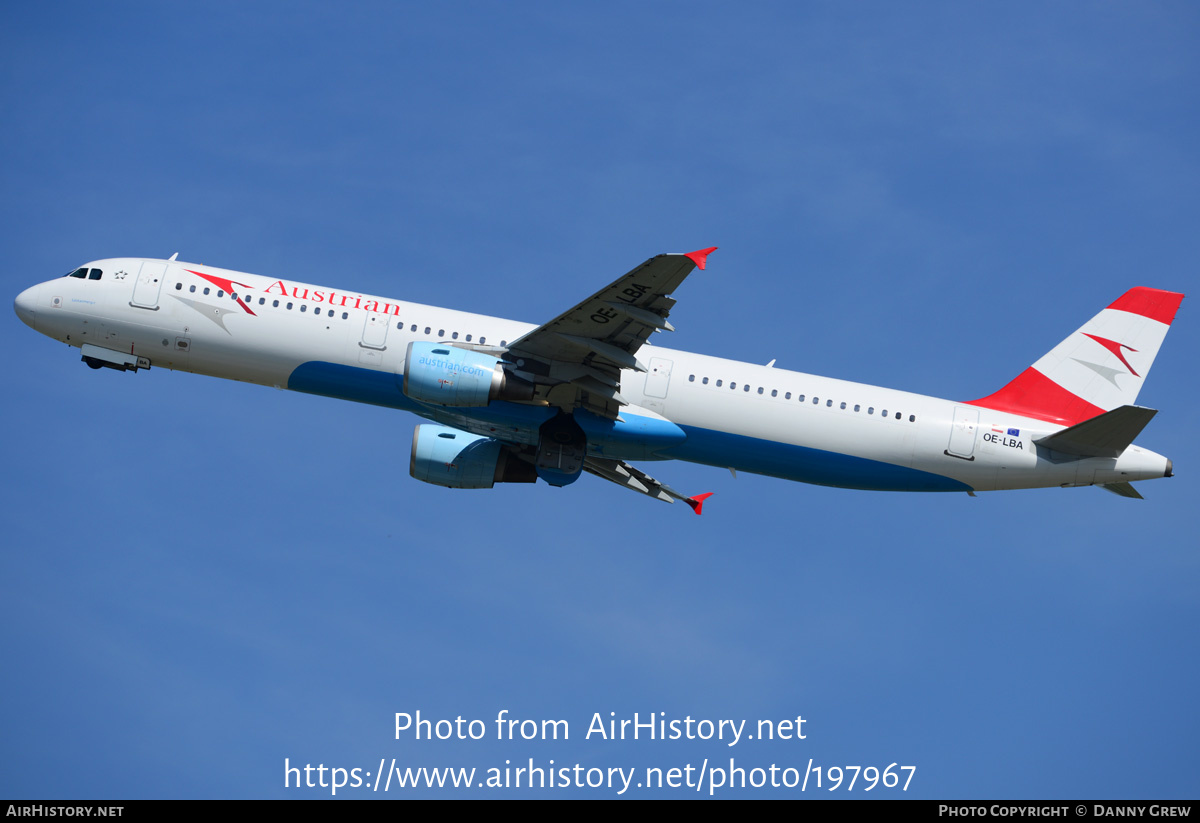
[[483, 341], [912, 418], [733, 386], [468, 338], [192, 289], [857, 407], [843, 405], [746, 387], [774, 392], [441, 332], [691, 378], [207, 290], [345, 315], [816, 401], [704, 380], [303, 307], [262, 301], [275, 304], [800, 398], [829, 403], [871, 410], [289, 306], [718, 383], [220, 293], [427, 330], [414, 327], [454, 336], [178, 287], [883, 413], [787, 396], [897, 415]]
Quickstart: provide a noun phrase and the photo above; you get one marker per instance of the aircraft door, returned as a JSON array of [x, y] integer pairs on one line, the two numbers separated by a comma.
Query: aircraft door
[[658, 377], [963, 431], [375, 329], [148, 285]]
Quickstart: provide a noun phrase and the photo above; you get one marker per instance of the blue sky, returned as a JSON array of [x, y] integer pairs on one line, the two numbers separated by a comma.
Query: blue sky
[[202, 578]]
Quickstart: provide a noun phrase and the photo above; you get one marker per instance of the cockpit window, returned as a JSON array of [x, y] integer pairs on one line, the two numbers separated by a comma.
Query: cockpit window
[[95, 274], [80, 273]]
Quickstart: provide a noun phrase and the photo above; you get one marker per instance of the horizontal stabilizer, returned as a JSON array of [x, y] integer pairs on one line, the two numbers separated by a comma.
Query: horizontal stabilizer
[[1122, 489], [1106, 435]]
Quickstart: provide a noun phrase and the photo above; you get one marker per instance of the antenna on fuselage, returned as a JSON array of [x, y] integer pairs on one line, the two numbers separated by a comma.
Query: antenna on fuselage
[[173, 257]]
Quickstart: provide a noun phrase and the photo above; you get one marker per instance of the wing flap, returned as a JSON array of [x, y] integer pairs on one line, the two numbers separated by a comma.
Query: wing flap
[[617, 356], [633, 478]]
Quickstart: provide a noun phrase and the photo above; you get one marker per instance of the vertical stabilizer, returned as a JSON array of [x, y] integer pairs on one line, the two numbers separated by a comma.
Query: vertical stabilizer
[[1098, 368]]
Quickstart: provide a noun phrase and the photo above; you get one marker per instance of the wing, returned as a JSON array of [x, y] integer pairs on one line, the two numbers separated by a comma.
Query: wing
[[631, 477], [576, 359]]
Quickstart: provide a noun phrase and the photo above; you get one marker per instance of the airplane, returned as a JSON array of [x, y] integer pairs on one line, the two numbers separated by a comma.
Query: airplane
[[511, 402]]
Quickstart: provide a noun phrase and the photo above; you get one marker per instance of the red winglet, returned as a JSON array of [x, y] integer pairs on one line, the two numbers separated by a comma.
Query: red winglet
[[697, 502], [698, 257]]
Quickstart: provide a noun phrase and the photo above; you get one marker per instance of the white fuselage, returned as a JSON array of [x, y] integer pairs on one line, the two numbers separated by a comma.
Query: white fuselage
[[280, 333]]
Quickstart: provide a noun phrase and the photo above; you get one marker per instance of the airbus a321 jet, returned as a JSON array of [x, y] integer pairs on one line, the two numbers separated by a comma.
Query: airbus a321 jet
[[509, 402]]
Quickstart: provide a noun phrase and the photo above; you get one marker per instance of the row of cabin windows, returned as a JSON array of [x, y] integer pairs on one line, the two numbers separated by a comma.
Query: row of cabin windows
[[262, 301], [442, 334], [816, 401]]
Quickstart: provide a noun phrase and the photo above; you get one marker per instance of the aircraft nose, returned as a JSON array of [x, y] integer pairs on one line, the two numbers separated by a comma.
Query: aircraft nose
[[26, 305]]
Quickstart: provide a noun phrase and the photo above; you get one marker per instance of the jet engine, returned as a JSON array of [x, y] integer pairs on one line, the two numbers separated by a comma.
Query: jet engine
[[450, 376], [458, 460]]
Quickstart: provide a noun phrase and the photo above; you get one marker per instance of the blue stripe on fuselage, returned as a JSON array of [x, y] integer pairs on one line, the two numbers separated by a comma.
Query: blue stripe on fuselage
[[382, 388], [713, 448], [807, 465], [378, 388]]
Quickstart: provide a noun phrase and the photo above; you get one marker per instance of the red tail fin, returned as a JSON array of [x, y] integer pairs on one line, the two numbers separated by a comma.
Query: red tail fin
[[1098, 368]]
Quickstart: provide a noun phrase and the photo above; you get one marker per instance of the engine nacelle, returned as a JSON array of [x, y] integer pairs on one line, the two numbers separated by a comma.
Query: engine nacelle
[[458, 460], [450, 376]]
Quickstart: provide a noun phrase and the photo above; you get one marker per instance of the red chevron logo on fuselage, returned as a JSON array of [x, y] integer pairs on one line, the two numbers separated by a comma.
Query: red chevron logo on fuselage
[[226, 285]]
